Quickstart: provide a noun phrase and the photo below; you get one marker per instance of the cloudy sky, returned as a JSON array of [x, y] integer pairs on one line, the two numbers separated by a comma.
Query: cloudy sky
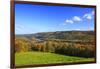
[[39, 18]]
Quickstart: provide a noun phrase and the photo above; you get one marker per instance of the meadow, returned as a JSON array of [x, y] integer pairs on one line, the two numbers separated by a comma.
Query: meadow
[[33, 58]]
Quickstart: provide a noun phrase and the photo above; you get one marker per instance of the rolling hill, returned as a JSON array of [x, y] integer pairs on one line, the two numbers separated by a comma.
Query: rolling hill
[[61, 35]]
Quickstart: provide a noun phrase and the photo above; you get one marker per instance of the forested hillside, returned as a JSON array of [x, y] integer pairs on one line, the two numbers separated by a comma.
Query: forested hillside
[[63, 35], [72, 43]]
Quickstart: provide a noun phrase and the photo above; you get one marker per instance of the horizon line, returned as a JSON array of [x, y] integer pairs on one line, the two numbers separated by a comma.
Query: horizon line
[[53, 31]]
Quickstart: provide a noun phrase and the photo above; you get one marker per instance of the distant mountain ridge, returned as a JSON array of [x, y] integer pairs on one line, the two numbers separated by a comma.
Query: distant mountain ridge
[[61, 35]]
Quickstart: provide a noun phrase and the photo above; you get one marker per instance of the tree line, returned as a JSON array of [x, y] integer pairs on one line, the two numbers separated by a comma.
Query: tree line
[[60, 47]]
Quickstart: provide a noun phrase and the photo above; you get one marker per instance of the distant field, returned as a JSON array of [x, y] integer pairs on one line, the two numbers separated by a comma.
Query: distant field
[[29, 58]]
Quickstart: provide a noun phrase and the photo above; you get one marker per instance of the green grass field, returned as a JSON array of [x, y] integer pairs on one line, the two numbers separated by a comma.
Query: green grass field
[[29, 58]]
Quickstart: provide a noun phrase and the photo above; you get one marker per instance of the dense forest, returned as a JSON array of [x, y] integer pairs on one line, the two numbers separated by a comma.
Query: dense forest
[[72, 43]]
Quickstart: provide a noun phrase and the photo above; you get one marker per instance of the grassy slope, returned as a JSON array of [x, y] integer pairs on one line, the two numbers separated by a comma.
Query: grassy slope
[[29, 58]]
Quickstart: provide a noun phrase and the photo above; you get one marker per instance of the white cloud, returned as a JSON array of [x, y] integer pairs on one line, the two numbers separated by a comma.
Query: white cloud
[[76, 18], [18, 28], [72, 20], [92, 13], [69, 21], [88, 16]]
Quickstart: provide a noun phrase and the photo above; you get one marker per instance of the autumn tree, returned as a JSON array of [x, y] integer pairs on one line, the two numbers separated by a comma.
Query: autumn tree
[[22, 45]]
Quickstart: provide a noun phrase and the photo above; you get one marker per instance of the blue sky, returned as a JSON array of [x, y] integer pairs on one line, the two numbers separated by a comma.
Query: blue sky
[[39, 18]]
